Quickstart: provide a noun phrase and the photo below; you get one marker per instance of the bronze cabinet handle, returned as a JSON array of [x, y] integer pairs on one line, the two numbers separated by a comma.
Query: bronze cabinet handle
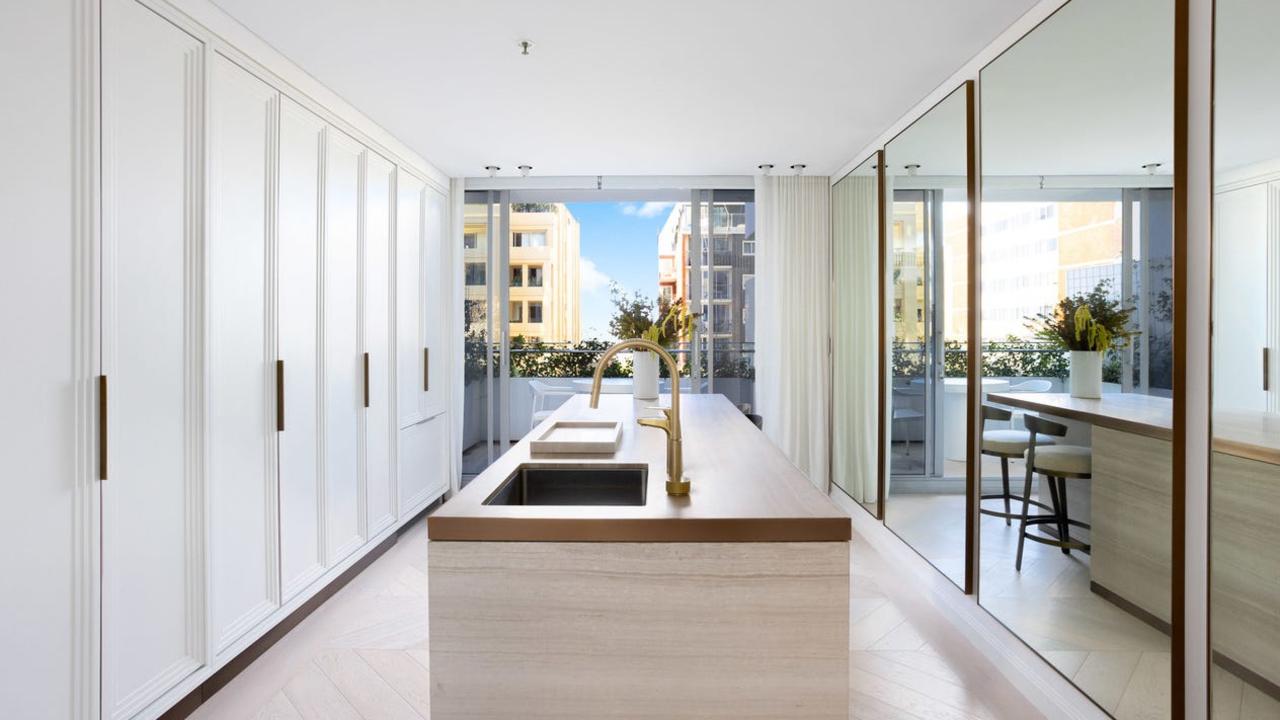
[[426, 369], [279, 395], [102, 427], [366, 379], [1266, 369]]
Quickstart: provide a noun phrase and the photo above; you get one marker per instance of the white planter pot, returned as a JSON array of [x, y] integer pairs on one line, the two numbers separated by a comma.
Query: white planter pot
[[1086, 374], [644, 368]]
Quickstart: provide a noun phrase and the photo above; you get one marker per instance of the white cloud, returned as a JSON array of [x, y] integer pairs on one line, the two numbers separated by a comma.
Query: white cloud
[[590, 278], [646, 210]]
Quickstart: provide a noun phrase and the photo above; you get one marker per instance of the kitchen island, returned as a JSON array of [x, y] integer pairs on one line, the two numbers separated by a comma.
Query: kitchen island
[[730, 602]]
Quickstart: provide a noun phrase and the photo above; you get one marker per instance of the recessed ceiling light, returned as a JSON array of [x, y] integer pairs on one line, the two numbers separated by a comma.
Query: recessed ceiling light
[[492, 170], [525, 170], [765, 168], [798, 168]]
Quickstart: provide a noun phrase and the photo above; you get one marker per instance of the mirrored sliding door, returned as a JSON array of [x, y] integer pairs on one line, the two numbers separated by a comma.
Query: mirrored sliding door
[[927, 170], [1245, 460], [855, 316], [1076, 524]]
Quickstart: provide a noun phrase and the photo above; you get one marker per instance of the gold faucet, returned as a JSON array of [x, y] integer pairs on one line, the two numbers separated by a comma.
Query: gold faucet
[[676, 483]]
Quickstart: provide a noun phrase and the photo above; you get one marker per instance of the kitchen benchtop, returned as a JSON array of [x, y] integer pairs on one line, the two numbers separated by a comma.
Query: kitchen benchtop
[[1250, 435], [743, 488]]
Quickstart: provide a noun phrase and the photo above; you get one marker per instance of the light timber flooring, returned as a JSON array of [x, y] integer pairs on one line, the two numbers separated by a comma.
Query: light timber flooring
[[1118, 660], [363, 654]]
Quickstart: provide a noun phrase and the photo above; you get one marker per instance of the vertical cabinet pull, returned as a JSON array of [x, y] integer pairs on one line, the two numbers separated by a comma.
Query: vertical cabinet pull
[[1266, 369], [279, 396], [102, 427], [366, 379], [426, 369]]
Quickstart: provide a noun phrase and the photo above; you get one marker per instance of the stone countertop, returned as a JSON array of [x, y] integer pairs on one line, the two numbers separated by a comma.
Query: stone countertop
[[743, 488]]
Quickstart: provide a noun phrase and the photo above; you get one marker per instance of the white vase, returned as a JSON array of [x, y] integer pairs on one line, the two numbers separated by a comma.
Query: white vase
[[644, 371], [1086, 374]]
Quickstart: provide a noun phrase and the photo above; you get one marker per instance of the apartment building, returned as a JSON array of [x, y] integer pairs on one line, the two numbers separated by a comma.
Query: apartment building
[[542, 271], [726, 262]]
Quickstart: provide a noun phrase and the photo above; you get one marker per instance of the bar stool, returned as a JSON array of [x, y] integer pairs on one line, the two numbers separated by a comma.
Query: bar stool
[[1057, 463], [1006, 444]]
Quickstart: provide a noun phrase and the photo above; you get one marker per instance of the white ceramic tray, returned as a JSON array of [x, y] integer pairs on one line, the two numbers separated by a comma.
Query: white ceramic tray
[[579, 437]]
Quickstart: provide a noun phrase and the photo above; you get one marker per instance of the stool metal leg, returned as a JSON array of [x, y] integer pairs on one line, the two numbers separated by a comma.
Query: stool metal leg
[[1004, 475], [1022, 528], [1064, 529]]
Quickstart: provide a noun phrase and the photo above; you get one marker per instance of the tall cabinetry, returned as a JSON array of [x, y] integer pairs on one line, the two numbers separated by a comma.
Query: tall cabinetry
[[1246, 339], [421, 289], [258, 437]]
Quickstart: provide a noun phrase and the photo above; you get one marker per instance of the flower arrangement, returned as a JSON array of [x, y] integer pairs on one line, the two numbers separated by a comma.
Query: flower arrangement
[[1086, 322]]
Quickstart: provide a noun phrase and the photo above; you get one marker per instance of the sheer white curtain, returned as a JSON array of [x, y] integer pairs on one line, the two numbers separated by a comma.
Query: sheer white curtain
[[793, 266], [855, 253]]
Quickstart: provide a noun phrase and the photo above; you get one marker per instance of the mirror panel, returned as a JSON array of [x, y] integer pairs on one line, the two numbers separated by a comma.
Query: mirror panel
[[1245, 470], [926, 190], [855, 228], [1077, 149]]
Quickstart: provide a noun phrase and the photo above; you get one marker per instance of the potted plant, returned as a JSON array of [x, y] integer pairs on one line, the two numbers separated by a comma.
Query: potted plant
[[634, 319], [1088, 325]]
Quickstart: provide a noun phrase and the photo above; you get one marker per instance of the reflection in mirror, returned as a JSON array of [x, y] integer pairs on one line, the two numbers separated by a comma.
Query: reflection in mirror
[[1076, 453], [1245, 479], [855, 249], [926, 178]]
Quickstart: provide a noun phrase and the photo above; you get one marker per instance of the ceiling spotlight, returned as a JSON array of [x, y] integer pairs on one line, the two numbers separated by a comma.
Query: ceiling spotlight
[[525, 170], [765, 168], [1151, 168], [912, 170], [798, 168], [525, 46], [492, 169]]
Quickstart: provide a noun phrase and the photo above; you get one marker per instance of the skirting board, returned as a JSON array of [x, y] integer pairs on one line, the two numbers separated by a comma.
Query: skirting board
[[1046, 688]]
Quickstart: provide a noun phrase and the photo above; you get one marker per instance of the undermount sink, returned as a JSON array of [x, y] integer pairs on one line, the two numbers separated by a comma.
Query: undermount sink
[[546, 484]]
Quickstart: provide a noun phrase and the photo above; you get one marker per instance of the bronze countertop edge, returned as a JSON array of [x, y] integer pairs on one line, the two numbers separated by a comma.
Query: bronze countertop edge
[[674, 530]]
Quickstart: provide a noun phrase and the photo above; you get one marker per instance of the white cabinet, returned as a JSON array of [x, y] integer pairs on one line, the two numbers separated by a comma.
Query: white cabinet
[[1246, 318], [263, 321], [240, 393], [411, 348], [423, 476], [379, 419], [435, 232], [152, 547], [343, 367], [298, 293]]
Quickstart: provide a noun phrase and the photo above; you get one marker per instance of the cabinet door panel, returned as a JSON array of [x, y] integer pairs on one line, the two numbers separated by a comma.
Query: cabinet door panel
[[301, 555], [434, 322], [151, 244], [241, 453], [343, 369], [409, 298], [423, 475], [379, 419], [1240, 253]]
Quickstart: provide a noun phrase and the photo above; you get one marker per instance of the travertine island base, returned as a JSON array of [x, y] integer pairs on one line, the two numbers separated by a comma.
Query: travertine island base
[[731, 602]]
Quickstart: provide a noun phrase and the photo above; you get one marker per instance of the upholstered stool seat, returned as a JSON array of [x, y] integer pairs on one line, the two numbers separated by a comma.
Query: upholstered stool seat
[[1062, 460], [1010, 442]]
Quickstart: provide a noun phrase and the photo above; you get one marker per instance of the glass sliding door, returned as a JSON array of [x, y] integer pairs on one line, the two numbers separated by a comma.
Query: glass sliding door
[[484, 436]]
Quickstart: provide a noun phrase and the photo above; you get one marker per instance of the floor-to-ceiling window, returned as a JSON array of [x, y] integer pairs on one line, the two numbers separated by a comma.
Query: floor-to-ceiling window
[[552, 279]]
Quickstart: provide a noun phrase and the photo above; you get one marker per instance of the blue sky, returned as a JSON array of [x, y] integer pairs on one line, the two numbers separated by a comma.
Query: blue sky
[[619, 243]]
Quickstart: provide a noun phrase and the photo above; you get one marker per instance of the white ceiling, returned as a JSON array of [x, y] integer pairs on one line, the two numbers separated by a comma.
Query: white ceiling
[[662, 87]]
